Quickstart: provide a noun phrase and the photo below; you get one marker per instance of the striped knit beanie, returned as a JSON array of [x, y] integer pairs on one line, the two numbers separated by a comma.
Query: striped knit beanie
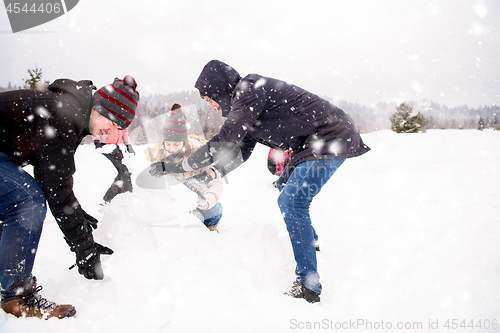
[[176, 127], [118, 101]]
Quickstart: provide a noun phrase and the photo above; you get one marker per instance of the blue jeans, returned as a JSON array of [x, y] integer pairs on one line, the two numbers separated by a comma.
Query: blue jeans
[[22, 212], [210, 216], [294, 201]]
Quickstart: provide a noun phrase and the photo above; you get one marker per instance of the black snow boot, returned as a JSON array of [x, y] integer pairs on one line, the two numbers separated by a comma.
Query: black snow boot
[[300, 291]]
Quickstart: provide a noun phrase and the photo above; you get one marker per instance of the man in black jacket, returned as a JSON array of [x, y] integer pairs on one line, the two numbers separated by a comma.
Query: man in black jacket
[[44, 129], [282, 116]]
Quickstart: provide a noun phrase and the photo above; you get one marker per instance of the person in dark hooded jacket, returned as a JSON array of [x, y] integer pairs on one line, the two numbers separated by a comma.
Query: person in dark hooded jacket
[[44, 129], [283, 116]]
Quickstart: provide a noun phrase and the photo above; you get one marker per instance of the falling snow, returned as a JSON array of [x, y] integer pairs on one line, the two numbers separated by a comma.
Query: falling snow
[[407, 233]]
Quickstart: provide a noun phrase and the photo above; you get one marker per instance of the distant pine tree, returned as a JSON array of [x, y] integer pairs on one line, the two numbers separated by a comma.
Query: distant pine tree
[[35, 80], [403, 120], [480, 124], [496, 125]]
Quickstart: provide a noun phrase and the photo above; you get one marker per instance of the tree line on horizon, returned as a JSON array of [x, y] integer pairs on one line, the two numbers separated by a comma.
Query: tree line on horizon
[[379, 116]]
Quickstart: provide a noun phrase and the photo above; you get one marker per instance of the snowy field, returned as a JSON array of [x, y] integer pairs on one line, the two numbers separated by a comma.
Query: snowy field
[[409, 237]]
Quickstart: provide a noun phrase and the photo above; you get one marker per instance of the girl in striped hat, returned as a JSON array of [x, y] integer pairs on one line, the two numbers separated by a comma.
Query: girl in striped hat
[[206, 182]]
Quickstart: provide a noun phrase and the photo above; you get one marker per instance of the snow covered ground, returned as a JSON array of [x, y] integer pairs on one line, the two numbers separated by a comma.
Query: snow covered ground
[[409, 238]]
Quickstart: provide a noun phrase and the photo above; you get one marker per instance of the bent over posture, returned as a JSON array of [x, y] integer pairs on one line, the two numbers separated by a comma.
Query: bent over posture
[[44, 129], [178, 145], [279, 115]]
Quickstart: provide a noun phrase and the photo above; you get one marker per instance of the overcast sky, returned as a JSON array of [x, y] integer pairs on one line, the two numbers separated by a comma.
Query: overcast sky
[[364, 51]]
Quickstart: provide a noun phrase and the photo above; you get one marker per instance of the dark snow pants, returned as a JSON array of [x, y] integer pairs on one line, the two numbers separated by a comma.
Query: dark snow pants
[[123, 182]]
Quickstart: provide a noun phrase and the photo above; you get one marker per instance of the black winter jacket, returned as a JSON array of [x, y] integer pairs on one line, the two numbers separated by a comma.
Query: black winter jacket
[[43, 129], [276, 114]]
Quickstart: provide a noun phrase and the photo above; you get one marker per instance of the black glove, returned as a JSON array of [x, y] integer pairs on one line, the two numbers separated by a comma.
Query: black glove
[[198, 181], [176, 158], [101, 249], [92, 221], [159, 169], [89, 262], [129, 149]]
